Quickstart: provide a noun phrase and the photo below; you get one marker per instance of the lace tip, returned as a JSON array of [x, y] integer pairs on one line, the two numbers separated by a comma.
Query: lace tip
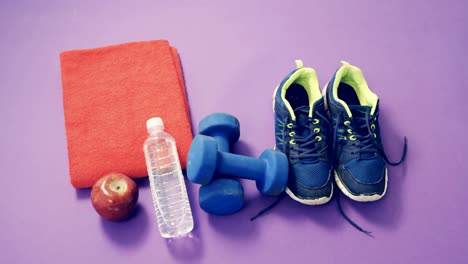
[[362, 230], [257, 215], [403, 155], [369, 233], [405, 148]]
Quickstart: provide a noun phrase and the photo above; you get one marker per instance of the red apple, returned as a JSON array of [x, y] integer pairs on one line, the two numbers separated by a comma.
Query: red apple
[[114, 196]]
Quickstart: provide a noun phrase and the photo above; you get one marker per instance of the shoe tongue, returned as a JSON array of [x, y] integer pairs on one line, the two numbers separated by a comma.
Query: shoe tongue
[[359, 114], [302, 118], [359, 110]]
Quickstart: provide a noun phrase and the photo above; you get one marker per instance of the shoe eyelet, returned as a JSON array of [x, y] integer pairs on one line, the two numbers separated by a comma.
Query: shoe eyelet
[[292, 133], [352, 137], [316, 121], [319, 138], [372, 126], [346, 122], [290, 125], [375, 135], [350, 131], [292, 142], [316, 130]]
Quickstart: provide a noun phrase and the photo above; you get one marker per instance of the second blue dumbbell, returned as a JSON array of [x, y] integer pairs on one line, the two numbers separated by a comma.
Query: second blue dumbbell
[[270, 170]]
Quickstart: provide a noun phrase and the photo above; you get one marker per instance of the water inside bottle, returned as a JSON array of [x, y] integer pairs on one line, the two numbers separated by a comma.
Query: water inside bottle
[[170, 198]]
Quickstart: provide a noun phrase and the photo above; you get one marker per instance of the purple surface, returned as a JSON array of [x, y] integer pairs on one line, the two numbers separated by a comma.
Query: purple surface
[[413, 54]]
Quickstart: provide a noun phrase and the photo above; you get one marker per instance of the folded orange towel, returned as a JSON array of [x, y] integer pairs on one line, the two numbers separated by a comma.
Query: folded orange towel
[[108, 94]]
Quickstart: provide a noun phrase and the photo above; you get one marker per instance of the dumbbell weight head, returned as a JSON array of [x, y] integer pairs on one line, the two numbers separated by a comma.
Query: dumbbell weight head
[[221, 197], [275, 177], [202, 159], [223, 127]]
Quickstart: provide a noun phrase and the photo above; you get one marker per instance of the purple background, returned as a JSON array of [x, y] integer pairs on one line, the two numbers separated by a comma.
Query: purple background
[[413, 54]]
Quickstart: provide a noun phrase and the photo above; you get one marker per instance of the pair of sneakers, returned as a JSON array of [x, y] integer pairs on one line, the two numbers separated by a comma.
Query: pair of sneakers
[[330, 137]]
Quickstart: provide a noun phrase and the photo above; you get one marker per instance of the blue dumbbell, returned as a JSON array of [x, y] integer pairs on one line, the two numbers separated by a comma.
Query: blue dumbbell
[[270, 171], [221, 196]]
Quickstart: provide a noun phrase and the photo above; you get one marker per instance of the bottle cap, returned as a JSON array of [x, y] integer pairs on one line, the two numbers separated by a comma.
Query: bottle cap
[[154, 122]]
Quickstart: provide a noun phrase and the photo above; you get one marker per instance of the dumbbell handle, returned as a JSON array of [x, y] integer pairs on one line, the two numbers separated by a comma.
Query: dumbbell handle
[[223, 143], [240, 166]]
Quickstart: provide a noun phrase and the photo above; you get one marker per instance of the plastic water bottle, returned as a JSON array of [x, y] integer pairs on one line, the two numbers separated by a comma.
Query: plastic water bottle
[[168, 189]]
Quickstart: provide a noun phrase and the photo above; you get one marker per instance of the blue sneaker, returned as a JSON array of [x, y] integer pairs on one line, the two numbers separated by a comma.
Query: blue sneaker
[[301, 132], [359, 159]]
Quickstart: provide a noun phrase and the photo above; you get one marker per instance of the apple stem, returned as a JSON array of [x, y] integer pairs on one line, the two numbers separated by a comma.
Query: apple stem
[[117, 186]]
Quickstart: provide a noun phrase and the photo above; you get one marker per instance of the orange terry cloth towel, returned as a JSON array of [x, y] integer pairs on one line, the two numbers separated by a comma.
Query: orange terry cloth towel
[[108, 94]]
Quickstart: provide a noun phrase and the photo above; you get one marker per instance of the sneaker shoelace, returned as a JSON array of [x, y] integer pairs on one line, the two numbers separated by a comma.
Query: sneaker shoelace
[[303, 146], [363, 134], [346, 217]]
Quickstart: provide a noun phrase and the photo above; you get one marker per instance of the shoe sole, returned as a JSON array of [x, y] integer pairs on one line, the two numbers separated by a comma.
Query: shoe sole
[[318, 201], [362, 197], [339, 183]]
